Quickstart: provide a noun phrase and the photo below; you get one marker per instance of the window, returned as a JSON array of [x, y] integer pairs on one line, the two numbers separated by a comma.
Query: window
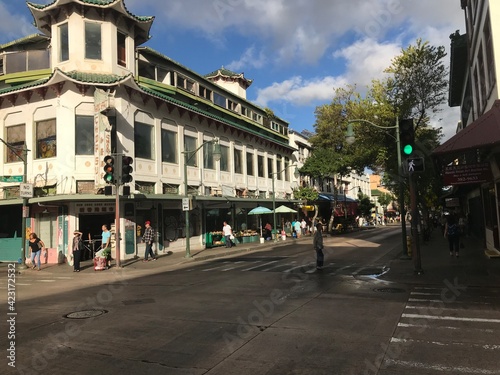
[[224, 159], [232, 105], [490, 59], [208, 156], [121, 52], [287, 169], [245, 112], [84, 135], [205, 93], [260, 165], [250, 170], [278, 168], [168, 146], [93, 41], [238, 167], [219, 100], [482, 80], [15, 138], [63, 42], [256, 117], [190, 145], [184, 83], [275, 126], [143, 140], [270, 169], [46, 139]]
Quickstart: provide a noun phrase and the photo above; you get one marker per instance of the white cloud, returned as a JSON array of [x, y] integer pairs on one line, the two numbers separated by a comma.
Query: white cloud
[[249, 59], [300, 92]]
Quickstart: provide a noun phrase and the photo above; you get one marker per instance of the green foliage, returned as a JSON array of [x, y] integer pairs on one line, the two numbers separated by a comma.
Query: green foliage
[[306, 193], [384, 199], [365, 206]]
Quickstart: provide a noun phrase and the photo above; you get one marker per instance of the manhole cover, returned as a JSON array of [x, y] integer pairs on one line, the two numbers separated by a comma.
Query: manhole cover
[[390, 290], [85, 314]]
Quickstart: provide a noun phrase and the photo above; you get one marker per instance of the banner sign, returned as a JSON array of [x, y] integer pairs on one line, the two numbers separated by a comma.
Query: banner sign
[[467, 174]]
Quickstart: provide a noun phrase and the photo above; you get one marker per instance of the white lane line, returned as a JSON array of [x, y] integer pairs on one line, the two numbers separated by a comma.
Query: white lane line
[[214, 268], [276, 266], [432, 317], [425, 294], [425, 326], [440, 343], [47, 281], [447, 302], [233, 267], [339, 270], [260, 265], [301, 266], [441, 368]]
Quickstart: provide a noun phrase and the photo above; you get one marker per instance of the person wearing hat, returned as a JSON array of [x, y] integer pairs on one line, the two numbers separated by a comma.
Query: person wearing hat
[[77, 250], [148, 239]]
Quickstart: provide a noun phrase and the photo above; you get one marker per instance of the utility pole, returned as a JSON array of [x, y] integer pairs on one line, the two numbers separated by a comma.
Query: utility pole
[[415, 219]]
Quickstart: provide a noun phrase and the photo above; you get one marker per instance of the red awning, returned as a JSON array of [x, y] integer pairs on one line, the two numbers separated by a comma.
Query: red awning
[[484, 132]]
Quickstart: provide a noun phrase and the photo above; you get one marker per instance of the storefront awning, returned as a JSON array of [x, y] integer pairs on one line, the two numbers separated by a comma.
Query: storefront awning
[[482, 133], [332, 197]]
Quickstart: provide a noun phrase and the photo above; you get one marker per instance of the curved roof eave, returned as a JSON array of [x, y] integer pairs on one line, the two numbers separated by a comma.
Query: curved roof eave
[[39, 11]]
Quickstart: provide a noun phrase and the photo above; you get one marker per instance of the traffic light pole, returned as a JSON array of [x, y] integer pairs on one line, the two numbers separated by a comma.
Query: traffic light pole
[[415, 219], [350, 139]]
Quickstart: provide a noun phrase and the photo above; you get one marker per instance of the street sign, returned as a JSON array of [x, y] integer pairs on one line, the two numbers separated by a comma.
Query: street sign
[[186, 204], [26, 190], [11, 178], [415, 165]]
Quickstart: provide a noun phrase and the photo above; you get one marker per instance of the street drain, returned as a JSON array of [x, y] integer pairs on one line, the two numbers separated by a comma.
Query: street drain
[[389, 290], [85, 314]]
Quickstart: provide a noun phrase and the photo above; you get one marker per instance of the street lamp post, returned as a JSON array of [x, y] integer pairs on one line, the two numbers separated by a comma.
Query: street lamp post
[[188, 155], [274, 195], [24, 215], [350, 139]]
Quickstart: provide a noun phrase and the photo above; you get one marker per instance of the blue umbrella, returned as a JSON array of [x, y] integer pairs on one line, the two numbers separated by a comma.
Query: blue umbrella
[[259, 210]]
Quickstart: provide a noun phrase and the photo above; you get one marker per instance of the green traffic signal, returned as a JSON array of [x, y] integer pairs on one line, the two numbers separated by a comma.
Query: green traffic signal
[[407, 149]]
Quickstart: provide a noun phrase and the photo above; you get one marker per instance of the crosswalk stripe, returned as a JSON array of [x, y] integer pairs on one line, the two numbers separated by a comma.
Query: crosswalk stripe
[[260, 265], [432, 317], [441, 368]]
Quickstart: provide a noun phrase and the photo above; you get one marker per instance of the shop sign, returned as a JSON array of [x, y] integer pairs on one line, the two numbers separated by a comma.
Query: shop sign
[[467, 174]]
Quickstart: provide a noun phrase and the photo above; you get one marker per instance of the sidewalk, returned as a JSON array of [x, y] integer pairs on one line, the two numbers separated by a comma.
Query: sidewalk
[[472, 268]]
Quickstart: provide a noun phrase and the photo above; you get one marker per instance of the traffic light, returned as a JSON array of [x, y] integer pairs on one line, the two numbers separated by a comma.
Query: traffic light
[[109, 169], [407, 136], [127, 169]]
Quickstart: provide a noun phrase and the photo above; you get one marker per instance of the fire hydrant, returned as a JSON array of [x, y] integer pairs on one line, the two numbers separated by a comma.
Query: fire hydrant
[[408, 245]]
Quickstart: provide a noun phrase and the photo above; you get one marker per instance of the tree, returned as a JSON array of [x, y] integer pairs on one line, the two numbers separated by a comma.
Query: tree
[[309, 195]]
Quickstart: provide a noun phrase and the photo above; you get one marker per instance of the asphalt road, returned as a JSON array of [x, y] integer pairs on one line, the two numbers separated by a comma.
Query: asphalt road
[[268, 312]]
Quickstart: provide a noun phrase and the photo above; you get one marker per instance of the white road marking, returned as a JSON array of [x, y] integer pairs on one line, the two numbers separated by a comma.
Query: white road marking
[[260, 265], [432, 317], [442, 368]]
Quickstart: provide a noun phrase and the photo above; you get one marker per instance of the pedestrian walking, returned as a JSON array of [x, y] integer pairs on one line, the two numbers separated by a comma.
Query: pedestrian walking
[[77, 250], [36, 246], [228, 231], [303, 226], [105, 237], [318, 246], [148, 239], [452, 233]]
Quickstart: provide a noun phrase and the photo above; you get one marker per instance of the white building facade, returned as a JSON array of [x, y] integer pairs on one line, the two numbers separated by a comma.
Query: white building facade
[[84, 89]]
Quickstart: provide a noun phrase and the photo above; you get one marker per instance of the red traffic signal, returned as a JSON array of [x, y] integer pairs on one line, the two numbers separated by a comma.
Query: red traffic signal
[[127, 169], [109, 169]]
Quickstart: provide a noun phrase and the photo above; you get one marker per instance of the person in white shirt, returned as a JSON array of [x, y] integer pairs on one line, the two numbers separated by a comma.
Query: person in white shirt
[[228, 231]]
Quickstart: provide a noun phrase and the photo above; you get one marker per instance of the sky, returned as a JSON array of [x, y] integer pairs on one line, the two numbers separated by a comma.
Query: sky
[[295, 51]]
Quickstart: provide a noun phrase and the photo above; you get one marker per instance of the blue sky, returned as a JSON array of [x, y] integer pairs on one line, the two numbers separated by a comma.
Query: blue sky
[[295, 51]]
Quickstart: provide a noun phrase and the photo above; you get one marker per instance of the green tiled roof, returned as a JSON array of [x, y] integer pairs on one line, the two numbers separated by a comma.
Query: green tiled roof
[[39, 82], [220, 119], [102, 3], [228, 73], [95, 77], [33, 38]]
